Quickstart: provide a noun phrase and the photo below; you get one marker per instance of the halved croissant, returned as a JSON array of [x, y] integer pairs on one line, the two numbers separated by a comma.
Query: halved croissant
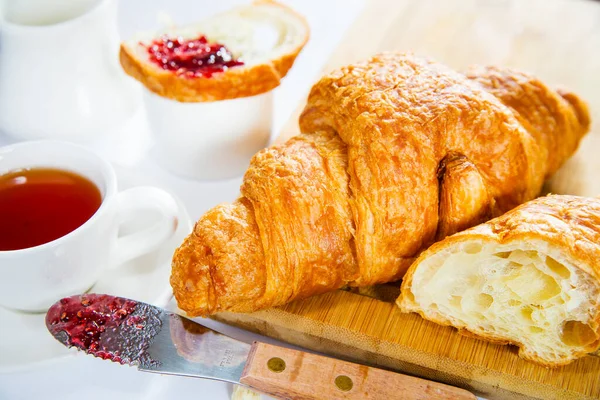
[[396, 152], [530, 277]]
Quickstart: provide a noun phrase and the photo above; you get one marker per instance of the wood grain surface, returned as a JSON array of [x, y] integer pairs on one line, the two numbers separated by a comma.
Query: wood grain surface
[[297, 375], [557, 40]]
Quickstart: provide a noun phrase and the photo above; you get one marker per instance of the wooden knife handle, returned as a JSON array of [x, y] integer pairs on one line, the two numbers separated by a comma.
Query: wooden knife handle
[[293, 374]]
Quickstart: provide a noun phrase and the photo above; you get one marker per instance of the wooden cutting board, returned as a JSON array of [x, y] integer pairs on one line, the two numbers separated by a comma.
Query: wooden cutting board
[[557, 40]]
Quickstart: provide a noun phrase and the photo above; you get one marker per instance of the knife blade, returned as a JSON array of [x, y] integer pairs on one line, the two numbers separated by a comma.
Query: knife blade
[[155, 340]]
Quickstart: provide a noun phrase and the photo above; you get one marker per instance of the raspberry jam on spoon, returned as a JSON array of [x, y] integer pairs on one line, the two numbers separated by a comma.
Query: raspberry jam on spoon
[[191, 58]]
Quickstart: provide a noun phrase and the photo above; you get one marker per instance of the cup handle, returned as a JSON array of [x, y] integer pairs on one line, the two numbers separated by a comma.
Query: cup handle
[[147, 239]]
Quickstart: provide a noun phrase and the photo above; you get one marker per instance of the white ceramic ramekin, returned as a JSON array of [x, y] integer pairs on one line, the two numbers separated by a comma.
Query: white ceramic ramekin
[[209, 140]]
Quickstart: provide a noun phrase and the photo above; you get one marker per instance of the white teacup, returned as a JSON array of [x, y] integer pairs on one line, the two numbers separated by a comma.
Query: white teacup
[[32, 279]]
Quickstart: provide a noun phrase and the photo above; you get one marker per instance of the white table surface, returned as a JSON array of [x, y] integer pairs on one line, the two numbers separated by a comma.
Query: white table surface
[[84, 377]]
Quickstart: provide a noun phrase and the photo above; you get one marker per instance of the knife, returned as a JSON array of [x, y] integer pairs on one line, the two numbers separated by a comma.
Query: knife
[[155, 340]]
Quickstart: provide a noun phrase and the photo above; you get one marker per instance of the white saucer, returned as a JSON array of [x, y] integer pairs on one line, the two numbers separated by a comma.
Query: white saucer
[[24, 341]]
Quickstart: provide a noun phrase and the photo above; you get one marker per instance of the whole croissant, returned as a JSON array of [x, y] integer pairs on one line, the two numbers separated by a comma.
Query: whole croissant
[[396, 153]]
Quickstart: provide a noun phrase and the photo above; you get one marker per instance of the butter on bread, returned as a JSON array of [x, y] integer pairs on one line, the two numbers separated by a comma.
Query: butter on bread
[[266, 35], [530, 277]]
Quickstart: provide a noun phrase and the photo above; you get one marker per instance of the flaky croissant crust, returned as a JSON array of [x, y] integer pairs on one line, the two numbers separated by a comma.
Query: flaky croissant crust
[[396, 152]]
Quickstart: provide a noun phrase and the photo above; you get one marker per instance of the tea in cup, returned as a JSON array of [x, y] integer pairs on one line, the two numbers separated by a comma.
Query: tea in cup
[[60, 212]]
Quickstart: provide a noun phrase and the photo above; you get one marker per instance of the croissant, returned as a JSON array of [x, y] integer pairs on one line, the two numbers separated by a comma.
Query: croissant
[[395, 153], [530, 277]]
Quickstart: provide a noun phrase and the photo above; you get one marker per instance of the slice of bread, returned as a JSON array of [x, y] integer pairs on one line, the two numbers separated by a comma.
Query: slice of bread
[[266, 36], [530, 277]]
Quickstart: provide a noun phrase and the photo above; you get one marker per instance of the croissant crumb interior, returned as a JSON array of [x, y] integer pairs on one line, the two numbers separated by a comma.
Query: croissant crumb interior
[[519, 295]]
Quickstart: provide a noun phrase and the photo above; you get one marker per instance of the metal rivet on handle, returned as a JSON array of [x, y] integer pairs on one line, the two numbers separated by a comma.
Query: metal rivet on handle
[[343, 383], [276, 364]]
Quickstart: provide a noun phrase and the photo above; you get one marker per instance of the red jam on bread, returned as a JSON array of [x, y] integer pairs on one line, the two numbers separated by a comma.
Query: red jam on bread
[[191, 58]]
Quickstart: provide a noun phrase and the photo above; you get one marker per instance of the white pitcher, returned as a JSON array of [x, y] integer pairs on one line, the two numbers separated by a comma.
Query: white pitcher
[[59, 71]]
